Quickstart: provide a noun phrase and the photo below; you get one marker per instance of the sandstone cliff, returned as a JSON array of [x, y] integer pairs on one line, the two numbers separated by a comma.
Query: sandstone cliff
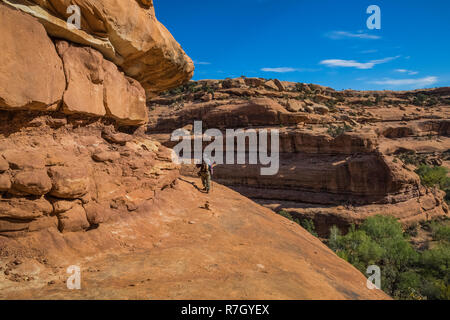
[[125, 32]]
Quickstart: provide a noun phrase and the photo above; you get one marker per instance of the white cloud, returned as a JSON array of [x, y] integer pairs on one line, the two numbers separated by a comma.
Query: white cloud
[[202, 62], [337, 35], [410, 72], [355, 64], [422, 82], [287, 69], [280, 70], [369, 51]]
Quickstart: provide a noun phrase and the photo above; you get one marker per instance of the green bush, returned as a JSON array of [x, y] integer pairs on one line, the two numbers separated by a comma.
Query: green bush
[[307, 224], [435, 176], [335, 131], [420, 99], [287, 215], [406, 273], [432, 176], [440, 232]]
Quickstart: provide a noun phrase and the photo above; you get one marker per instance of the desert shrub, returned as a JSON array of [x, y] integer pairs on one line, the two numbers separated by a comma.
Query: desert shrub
[[440, 232], [378, 99], [333, 242], [432, 101], [431, 176], [287, 215], [435, 176], [336, 131], [420, 99], [309, 226], [411, 157]]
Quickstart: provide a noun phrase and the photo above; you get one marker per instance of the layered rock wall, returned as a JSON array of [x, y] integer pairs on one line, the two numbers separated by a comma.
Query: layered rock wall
[[64, 95], [74, 174], [338, 151]]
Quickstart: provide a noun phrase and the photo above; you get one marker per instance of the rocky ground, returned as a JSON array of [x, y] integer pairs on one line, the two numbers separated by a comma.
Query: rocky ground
[[176, 249], [343, 154]]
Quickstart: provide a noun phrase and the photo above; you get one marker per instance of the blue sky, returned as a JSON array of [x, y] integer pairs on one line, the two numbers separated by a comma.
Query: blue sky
[[325, 42]]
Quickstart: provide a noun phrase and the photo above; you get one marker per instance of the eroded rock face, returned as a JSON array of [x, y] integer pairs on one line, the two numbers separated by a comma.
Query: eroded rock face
[[31, 73], [84, 73], [71, 178], [125, 32], [124, 97], [78, 78], [96, 87]]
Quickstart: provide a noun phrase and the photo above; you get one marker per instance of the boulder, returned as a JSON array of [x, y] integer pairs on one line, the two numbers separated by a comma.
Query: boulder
[[5, 182], [126, 32], [85, 74], [73, 220], [320, 109], [4, 165], [254, 82], [124, 97], [97, 213], [69, 182], [106, 156], [308, 109], [33, 182], [31, 73], [116, 137], [24, 209], [24, 159], [233, 83], [61, 206], [294, 105], [279, 85], [271, 85]]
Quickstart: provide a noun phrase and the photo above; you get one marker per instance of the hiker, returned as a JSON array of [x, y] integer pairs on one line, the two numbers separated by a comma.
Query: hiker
[[205, 173]]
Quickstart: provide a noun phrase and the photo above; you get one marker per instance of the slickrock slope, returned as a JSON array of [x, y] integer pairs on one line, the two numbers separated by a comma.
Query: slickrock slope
[[340, 151], [175, 249]]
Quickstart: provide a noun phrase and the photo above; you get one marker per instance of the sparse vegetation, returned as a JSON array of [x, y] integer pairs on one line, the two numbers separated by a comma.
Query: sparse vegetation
[[435, 176], [411, 157], [307, 224], [419, 99], [336, 131]]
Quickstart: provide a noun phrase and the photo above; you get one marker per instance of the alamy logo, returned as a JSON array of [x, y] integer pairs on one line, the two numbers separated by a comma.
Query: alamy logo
[[374, 21], [258, 147], [74, 281], [374, 280], [74, 21]]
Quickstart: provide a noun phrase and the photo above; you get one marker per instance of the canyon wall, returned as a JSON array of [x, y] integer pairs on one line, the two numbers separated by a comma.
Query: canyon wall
[[339, 150]]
